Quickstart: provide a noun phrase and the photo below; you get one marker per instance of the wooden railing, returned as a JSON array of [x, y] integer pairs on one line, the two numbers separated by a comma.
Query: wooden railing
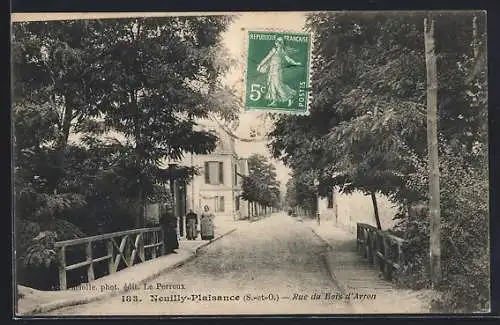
[[383, 250], [122, 249]]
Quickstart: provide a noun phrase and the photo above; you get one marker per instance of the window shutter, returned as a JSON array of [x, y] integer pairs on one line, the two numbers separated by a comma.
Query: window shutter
[[221, 172], [207, 173], [235, 174], [221, 204]]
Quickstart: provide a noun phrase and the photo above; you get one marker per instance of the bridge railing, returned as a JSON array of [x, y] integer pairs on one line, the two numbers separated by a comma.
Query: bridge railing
[[383, 250], [122, 249]]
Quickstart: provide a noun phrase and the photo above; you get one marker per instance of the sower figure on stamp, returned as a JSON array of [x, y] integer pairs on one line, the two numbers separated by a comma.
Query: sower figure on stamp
[[272, 65], [168, 222], [191, 225], [207, 224]]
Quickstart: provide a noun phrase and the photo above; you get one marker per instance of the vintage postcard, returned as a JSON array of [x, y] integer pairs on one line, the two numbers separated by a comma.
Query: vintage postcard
[[250, 163]]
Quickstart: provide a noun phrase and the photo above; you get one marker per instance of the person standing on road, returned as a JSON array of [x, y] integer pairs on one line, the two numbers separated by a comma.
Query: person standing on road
[[191, 225], [207, 224], [169, 224]]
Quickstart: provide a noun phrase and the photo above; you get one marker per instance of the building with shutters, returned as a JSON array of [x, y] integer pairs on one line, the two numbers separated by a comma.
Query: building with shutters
[[218, 184]]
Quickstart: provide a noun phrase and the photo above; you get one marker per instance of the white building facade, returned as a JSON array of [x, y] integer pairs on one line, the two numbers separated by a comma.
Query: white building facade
[[218, 184], [349, 209]]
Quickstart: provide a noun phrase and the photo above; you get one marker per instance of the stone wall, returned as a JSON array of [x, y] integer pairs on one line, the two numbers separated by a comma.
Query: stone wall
[[349, 209]]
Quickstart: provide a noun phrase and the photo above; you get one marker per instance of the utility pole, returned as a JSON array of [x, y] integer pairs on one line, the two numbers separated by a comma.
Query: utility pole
[[432, 147]]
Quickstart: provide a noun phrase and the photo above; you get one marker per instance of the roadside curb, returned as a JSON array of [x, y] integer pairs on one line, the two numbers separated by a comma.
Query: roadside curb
[[198, 249], [329, 263], [44, 308]]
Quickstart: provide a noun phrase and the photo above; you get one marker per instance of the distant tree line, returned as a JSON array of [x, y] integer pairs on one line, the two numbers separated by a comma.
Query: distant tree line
[[261, 186]]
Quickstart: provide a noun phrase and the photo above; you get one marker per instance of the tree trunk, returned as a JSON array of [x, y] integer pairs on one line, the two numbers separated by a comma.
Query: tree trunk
[[62, 143], [138, 152], [140, 213], [432, 145], [375, 210], [66, 126]]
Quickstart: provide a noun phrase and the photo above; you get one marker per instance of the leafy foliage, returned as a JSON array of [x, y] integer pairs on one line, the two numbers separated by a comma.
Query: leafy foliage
[[261, 185], [367, 132], [141, 83]]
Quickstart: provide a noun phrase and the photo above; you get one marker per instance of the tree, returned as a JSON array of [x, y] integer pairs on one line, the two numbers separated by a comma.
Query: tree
[[160, 73], [261, 185], [366, 130], [54, 65], [375, 104], [291, 194], [145, 80]]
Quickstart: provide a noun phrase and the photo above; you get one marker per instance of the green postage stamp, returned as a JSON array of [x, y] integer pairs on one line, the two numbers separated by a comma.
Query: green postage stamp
[[278, 70]]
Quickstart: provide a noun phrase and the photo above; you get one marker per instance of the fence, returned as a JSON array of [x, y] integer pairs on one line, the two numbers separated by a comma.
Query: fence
[[383, 250], [123, 249]]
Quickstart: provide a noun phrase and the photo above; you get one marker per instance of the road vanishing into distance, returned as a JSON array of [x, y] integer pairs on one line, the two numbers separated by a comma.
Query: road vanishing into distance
[[272, 266]]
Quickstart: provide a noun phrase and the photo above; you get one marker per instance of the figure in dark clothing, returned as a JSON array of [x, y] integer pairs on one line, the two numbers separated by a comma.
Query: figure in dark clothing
[[169, 225], [191, 225]]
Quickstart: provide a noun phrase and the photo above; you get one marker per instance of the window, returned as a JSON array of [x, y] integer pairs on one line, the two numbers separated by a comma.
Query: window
[[330, 200], [214, 172], [219, 204]]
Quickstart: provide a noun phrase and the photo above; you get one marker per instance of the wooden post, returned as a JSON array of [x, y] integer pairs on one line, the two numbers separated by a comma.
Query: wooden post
[[162, 241], [365, 243], [387, 257], [62, 268], [376, 261], [374, 249], [368, 245], [357, 239], [142, 255], [90, 268], [111, 264], [432, 145]]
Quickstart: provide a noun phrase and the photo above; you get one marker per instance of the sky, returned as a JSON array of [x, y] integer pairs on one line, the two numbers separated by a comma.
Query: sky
[[234, 40]]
